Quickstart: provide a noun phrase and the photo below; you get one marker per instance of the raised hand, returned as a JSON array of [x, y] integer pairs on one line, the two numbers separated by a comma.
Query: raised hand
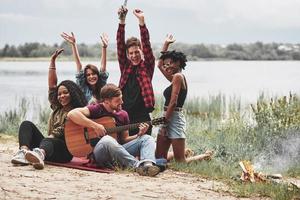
[[169, 39], [122, 12], [56, 53], [69, 38], [104, 40], [139, 14]]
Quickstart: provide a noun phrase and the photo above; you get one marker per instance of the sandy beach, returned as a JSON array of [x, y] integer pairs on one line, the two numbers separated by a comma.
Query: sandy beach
[[24, 182]]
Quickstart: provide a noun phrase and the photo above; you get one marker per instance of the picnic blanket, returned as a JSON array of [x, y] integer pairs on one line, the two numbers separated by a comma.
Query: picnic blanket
[[81, 163]]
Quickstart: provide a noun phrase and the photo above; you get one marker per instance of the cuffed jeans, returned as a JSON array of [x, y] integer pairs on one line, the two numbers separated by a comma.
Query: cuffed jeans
[[109, 153]]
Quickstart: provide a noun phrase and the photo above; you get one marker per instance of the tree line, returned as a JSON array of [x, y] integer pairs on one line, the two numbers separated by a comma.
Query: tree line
[[251, 51]]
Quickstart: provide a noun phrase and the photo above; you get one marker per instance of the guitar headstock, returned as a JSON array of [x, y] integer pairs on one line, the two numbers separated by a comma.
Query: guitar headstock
[[158, 121]]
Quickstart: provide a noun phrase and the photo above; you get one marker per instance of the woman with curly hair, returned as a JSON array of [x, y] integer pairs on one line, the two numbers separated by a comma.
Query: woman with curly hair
[[90, 79], [171, 64], [34, 148]]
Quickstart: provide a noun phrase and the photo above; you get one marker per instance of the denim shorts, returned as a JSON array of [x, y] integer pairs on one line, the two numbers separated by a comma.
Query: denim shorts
[[176, 128]]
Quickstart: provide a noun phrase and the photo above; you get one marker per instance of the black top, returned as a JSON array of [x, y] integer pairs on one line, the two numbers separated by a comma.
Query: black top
[[181, 96], [132, 97]]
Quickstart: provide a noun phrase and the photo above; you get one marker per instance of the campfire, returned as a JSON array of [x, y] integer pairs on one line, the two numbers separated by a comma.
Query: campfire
[[248, 173]]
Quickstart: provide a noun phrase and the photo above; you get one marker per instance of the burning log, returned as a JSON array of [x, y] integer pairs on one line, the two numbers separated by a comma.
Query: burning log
[[249, 174]]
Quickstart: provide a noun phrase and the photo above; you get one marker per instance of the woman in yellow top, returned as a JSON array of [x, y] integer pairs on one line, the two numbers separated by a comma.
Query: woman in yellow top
[[34, 148]]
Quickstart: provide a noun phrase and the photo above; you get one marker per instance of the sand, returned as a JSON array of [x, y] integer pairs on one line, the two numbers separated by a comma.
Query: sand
[[24, 182]]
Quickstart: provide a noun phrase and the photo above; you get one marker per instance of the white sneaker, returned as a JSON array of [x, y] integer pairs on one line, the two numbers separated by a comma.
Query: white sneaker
[[19, 158], [36, 158]]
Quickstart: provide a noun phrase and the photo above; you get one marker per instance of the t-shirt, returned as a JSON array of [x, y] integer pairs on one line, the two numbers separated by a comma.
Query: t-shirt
[[133, 101], [98, 111]]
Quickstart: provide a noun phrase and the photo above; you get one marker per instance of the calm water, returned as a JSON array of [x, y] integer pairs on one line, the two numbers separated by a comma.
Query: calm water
[[245, 79]]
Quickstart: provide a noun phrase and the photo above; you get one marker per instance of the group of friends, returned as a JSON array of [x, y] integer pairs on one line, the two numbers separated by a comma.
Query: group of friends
[[91, 97]]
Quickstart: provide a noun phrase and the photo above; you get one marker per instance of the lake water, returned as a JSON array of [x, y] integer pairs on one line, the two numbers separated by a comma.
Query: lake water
[[245, 79]]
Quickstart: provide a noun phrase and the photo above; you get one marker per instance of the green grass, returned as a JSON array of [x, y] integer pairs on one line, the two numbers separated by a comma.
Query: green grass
[[274, 190]]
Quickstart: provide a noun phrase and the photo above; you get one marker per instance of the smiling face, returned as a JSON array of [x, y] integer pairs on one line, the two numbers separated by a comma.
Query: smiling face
[[115, 103], [63, 96], [91, 77], [170, 66], [134, 54]]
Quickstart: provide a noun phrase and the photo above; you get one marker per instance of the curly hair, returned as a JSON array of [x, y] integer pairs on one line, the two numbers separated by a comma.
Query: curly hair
[[76, 94], [175, 56], [98, 86]]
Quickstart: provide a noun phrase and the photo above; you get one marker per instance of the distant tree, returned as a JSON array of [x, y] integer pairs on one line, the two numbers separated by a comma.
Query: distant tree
[[235, 47], [67, 48], [27, 48], [200, 51], [43, 51], [13, 52], [4, 50], [10, 51]]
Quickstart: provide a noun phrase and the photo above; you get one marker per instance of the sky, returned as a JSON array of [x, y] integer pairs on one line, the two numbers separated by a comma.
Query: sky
[[190, 21]]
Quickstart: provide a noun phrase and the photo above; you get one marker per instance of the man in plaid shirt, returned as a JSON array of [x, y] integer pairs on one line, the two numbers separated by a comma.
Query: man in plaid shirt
[[136, 62]]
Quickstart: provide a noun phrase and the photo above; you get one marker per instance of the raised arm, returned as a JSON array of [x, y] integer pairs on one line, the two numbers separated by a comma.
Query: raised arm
[[145, 42], [104, 40], [72, 40], [169, 40], [52, 77], [122, 12], [140, 15], [121, 48]]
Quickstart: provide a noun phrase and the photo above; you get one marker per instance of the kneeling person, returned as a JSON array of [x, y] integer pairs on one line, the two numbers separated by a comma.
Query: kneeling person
[[122, 152]]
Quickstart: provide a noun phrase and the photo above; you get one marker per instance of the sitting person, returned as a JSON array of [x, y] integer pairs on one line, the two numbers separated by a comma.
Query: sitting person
[[34, 147], [89, 79], [171, 64], [122, 152]]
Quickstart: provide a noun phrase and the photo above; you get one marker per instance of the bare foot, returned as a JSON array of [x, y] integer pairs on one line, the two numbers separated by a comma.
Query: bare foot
[[189, 152], [208, 154]]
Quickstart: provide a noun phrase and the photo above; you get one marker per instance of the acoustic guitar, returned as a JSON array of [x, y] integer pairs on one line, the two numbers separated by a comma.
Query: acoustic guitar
[[81, 140]]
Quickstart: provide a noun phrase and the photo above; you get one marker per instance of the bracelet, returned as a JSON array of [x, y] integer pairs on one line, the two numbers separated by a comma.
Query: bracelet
[[52, 68]]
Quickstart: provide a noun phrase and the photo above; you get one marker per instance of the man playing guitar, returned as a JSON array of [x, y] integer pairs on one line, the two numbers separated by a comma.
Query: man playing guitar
[[121, 152]]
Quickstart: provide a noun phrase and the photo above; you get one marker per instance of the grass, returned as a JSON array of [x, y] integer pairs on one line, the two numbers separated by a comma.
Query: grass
[[266, 133]]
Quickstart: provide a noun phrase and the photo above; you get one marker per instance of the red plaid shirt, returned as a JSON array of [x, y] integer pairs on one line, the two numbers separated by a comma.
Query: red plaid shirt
[[145, 69]]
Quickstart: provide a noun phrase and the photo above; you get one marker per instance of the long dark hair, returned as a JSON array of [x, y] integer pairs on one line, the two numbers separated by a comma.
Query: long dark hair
[[77, 96], [98, 86]]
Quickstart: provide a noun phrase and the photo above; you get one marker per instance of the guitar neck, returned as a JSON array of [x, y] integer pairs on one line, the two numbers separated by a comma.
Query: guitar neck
[[125, 127]]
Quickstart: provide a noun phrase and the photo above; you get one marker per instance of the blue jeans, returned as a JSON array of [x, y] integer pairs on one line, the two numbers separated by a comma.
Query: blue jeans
[[109, 153]]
